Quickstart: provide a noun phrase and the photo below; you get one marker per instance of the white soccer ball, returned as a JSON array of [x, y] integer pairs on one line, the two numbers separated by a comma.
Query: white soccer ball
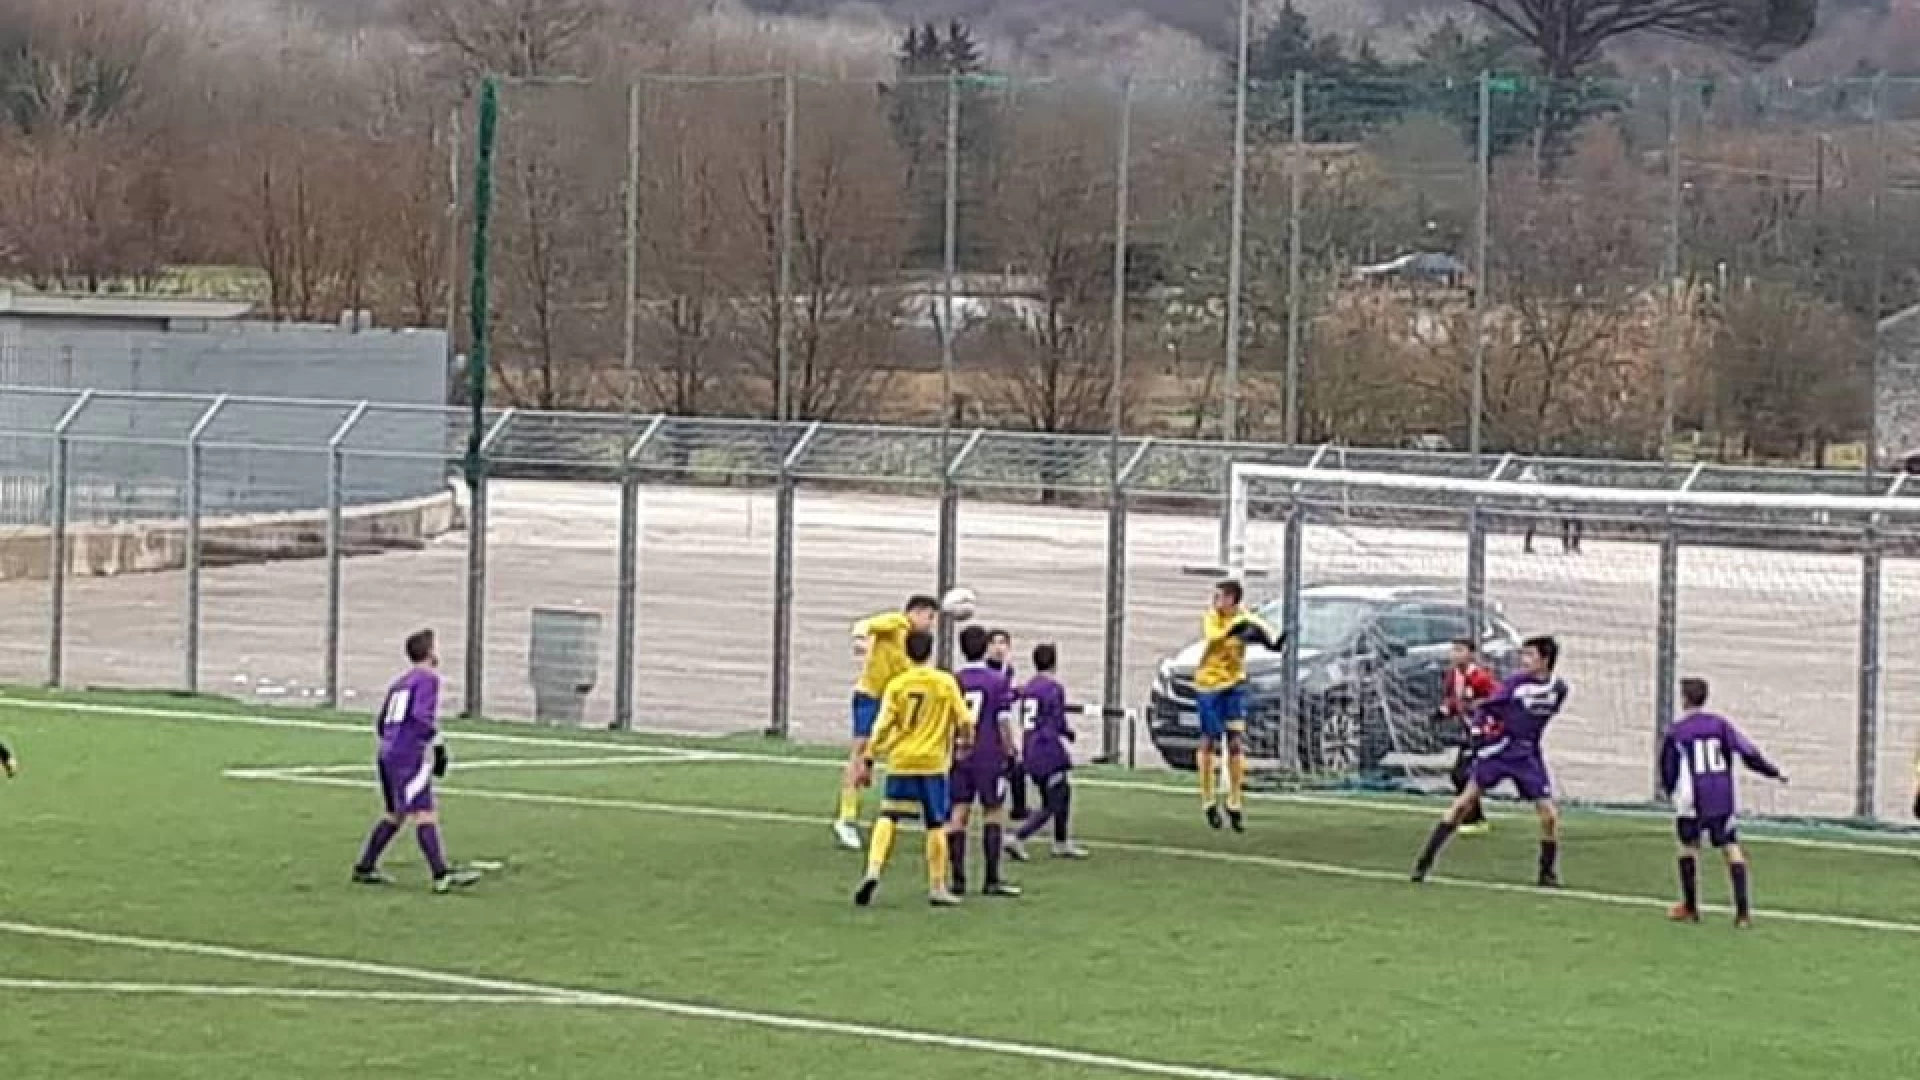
[[959, 603]]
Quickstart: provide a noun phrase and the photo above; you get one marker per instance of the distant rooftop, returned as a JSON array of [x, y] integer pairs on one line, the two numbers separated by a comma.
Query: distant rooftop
[[153, 309]]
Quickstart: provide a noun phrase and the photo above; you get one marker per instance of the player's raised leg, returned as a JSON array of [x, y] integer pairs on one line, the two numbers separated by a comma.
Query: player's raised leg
[[846, 829], [1449, 824]]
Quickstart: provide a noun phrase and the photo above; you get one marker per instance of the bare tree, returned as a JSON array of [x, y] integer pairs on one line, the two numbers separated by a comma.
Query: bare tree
[[848, 249], [1570, 360], [1787, 371], [515, 38], [1054, 222], [1570, 34]]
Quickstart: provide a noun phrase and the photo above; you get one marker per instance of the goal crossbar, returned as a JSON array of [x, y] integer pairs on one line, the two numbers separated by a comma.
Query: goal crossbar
[[1313, 483]]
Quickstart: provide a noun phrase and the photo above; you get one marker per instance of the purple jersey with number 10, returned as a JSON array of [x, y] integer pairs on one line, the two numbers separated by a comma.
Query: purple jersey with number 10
[[1696, 765], [407, 723]]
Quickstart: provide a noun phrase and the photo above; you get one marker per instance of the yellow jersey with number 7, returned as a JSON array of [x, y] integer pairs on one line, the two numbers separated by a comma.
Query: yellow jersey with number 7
[[922, 715]]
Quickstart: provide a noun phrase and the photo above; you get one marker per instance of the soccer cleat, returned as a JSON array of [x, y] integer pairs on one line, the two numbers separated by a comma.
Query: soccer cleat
[[1213, 817], [456, 879], [960, 886], [370, 877], [1237, 820], [1549, 880], [847, 835], [863, 896], [1000, 888], [1069, 850], [1683, 913], [1480, 828], [1743, 922], [943, 898], [1016, 849]]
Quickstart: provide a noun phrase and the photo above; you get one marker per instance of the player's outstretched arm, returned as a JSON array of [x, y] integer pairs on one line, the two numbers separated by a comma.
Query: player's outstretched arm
[[1752, 758]]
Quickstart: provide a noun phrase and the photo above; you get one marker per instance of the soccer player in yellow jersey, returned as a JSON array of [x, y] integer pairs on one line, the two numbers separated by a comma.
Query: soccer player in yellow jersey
[[1220, 693], [884, 639], [923, 717]]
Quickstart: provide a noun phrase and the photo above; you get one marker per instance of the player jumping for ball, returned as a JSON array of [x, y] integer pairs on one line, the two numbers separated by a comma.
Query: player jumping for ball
[[411, 755], [1696, 771], [884, 637], [1512, 724], [1220, 693]]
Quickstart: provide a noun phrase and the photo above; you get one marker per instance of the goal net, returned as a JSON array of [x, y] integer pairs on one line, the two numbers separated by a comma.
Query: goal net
[[1780, 598]]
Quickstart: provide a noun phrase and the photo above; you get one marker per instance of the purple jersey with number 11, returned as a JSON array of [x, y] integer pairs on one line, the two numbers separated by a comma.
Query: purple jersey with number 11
[[1696, 765]]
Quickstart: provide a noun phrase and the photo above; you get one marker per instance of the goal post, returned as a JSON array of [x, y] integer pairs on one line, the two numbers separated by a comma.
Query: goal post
[[1775, 596]]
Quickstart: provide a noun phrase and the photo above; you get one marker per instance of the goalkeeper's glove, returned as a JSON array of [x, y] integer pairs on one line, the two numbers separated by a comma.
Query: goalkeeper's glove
[[440, 759]]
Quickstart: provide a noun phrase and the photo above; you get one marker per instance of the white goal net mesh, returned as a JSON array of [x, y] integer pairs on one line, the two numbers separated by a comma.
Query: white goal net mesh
[[1765, 594]]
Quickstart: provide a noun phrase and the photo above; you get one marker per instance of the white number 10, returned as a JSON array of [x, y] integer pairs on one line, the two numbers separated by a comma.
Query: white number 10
[[1708, 757], [396, 711]]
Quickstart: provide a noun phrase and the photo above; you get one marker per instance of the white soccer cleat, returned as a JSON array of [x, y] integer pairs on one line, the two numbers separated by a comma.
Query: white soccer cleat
[[847, 835], [1016, 849], [1070, 850]]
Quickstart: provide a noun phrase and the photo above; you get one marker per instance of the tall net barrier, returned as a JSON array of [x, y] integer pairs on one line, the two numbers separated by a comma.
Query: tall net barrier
[[1774, 598]]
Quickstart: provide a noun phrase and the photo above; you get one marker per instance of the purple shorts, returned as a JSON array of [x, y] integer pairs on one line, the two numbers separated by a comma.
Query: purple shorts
[[406, 784], [1720, 830], [1529, 776], [978, 782]]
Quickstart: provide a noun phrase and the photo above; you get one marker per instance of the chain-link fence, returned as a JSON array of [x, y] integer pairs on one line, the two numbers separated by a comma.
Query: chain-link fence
[[1688, 269], [718, 565]]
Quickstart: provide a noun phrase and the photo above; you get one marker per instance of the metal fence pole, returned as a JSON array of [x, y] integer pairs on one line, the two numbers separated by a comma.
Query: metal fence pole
[[780, 722], [336, 537], [1114, 640], [1296, 181], [1666, 642], [1236, 234], [783, 332], [1483, 168], [478, 483], [1114, 663], [627, 591], [57, 538], [1292, 545], [630, 328], [191, 659], [1866, 791], [1670, 269], [948, 558]]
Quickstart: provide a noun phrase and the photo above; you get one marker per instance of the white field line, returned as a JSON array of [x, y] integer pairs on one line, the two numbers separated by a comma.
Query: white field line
[[1336, 870], [477, 765], [658, 754], [283, 993], [561, 996]]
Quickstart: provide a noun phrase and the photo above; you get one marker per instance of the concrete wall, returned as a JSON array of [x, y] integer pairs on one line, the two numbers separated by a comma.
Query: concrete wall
[[1898, 408], [129, 462]]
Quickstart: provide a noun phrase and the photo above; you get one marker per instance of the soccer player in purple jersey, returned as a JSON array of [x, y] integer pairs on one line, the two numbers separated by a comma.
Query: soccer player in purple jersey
[[1513, 723], [1000, 659], [1043, 713], [1696, 771], [411, 755], [980, 776]]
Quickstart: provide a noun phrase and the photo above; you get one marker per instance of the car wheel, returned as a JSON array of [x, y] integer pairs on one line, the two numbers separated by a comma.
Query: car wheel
[[1335, 739]]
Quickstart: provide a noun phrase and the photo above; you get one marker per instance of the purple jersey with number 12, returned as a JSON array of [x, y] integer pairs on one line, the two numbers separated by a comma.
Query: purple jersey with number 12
[[990, 696], [407, 720], [1043, 712], [1696, 765]]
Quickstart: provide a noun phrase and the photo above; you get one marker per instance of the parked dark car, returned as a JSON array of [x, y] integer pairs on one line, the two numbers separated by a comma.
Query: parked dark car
[[1371, 658]]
